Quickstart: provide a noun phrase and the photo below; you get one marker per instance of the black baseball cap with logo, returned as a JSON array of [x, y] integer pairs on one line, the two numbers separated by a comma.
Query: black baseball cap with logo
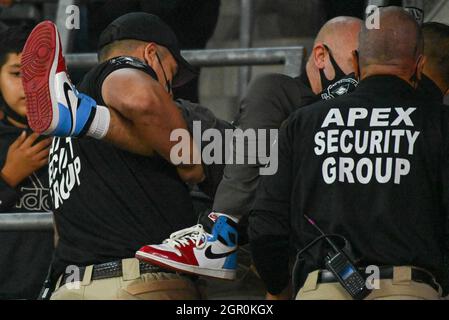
[[149, 28]]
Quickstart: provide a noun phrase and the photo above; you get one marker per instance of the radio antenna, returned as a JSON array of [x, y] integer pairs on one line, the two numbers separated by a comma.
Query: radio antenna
[[313, 223]]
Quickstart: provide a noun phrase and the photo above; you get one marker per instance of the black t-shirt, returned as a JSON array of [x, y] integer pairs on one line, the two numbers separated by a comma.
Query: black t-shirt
[[109, 202], [24, 255], [428, 89], [371, 166]]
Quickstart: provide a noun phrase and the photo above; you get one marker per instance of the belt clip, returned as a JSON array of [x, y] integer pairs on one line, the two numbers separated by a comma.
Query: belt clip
[[130, 269], [87, 277], [311, 281], [402, 275]]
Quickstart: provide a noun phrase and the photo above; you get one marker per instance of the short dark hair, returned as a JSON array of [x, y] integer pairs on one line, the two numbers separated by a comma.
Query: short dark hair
[[12, 40], [436, 48], [123, 45], [398, 37]]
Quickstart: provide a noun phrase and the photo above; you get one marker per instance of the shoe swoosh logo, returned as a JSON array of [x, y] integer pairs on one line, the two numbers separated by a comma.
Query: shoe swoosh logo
[[68, 88], [210, 255]]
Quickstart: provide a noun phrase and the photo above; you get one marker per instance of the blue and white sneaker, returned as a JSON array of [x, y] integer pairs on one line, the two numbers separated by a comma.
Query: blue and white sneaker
[[54, 106], [196, 251]]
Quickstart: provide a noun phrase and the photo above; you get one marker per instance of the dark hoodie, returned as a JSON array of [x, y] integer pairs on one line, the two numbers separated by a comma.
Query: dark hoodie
[[24, 255]]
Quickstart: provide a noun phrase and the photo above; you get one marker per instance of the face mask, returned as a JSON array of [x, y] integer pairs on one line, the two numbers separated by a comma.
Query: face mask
[[168, 85], [340, 85]]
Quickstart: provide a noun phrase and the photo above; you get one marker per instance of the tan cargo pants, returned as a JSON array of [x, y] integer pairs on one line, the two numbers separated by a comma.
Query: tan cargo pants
[[401, 287], [131, 286]]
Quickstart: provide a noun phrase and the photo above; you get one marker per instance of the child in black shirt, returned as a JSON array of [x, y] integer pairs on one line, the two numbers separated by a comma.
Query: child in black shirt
[[24, 255]]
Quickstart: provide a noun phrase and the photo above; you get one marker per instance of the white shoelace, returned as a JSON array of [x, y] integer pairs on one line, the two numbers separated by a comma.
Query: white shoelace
[[183, 237]]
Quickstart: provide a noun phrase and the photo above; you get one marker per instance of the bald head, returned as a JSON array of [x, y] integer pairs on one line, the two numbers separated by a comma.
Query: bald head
[[397, 44], [338, 29], [341, 36]]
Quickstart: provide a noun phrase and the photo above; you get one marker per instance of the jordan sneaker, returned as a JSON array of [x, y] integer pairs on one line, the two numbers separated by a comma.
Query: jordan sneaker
[[196, 251], [54, 106]]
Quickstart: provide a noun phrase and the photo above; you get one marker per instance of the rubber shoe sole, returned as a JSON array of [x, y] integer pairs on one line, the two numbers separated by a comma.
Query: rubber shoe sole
[[180, 267], [39, 62]]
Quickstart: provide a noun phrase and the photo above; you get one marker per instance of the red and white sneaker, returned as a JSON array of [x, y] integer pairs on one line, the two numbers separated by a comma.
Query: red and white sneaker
[[195, 251], [54, 106]]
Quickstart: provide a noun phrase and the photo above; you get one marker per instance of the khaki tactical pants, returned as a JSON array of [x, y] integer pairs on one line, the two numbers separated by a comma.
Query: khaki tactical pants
[[401, 287], [131, 286]]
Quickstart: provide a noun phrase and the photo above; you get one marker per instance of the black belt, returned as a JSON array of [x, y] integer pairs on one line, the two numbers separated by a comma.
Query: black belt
[[109, 270], [418, 275]]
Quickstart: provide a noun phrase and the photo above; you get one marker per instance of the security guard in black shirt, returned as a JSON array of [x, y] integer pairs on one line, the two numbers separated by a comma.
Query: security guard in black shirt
[[271, 98], [371, 167]]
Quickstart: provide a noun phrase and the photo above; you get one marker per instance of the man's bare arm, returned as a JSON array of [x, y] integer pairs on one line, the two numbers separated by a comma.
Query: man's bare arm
[[143, 117]]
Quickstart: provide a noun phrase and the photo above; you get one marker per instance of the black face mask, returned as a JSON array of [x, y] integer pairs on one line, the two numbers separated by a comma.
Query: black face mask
[[168, 85], [340, 85]]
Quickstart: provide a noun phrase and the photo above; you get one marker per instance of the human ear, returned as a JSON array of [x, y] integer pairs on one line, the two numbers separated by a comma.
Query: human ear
[[420, 67], [150, 54], [319, 55]]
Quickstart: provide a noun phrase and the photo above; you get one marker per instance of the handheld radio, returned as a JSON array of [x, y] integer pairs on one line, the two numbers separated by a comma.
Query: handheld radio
[[344, 270]]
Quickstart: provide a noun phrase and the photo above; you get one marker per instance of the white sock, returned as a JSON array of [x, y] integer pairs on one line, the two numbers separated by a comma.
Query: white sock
[[100, 125]]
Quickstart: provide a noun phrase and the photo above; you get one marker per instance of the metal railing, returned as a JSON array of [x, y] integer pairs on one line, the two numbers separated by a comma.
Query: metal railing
[[290, 57], [43, 221], [26, 221]]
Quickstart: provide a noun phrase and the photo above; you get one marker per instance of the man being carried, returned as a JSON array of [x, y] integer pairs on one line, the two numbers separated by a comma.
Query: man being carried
[[108, 202]]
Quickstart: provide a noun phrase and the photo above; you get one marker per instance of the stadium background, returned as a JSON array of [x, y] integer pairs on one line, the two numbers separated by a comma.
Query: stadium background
[[280, 23]]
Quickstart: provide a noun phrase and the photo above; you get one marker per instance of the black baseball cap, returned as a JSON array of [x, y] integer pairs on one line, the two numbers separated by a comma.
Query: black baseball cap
[[149, 28]]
